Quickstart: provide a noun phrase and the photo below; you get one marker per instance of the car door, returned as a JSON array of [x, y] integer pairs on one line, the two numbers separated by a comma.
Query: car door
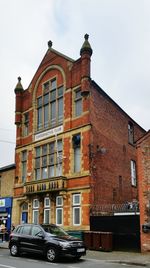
[[37, 239], [25, 238]]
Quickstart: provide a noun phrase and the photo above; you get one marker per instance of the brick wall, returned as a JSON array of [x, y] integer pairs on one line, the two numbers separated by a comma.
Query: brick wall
[[110, 167], [143, 155]]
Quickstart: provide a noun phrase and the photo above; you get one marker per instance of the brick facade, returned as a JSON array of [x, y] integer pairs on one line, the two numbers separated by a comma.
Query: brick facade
[[143, 155], [104, 176]]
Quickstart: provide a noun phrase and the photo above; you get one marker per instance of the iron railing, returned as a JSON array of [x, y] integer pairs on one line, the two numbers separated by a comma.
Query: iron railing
[[110, 209]]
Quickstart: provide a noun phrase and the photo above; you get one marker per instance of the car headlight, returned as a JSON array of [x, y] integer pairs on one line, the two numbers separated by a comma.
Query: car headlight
[[64, 244]]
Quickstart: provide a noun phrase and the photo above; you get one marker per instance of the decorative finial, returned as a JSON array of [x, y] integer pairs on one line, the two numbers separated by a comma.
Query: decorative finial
[[86, 47], [50, 44], [86, 36], [19, 87]]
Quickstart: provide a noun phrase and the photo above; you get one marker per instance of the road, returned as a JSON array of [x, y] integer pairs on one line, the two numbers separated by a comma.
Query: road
[[28, 261]]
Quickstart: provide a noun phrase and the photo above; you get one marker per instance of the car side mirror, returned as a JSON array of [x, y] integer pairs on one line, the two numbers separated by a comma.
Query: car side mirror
[[41, 235]]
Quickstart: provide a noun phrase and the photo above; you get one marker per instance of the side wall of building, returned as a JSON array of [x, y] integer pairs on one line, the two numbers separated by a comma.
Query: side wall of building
[[111, 152], [143, 155], [7, 183]]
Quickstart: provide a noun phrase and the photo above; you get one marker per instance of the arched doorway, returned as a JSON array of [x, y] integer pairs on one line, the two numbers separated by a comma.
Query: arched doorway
[[24, 212]]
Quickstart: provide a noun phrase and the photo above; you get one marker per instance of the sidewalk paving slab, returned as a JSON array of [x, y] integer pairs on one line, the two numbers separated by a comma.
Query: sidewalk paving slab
[[122, 257]]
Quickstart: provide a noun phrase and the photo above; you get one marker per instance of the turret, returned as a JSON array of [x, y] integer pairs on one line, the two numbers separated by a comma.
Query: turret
[[86, 53], [18, 91]]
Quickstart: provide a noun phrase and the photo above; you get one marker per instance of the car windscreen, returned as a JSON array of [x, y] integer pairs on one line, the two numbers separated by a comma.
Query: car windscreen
[[55, 230]]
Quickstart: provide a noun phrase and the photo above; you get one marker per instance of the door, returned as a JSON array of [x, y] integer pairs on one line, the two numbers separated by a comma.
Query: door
[[24, 217], [37, 239]]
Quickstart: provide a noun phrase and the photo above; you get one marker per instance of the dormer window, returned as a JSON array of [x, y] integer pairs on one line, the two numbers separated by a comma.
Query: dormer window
[[130, 133], [50, 105]]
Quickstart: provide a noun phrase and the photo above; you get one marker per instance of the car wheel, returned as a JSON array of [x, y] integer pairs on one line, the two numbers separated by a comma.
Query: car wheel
[[52, 254], [77, 258], [14, 250]]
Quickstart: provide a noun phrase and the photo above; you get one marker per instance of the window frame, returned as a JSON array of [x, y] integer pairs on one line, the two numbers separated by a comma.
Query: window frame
[[47, 205], [77, 101], [76, 153], [26, 124], [130, 133], [76, 206], [133, 173], [35, 209], [59, 207], [50, 111], [52, 162], [37, 216], [45, 214], [47, 208], [34, 203], [24, 165]]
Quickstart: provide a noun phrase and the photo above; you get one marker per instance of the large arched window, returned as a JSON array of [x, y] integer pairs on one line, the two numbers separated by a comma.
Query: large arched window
[[50, 105]]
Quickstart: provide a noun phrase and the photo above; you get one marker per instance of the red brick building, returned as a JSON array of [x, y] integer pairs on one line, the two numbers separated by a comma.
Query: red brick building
[[143, 156], [75, 147]]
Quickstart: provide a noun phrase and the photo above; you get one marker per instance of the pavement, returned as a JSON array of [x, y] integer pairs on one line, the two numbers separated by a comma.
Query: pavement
[[122, 257]]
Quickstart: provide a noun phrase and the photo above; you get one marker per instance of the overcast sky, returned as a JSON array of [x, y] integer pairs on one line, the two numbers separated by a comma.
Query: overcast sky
[[119, 33]]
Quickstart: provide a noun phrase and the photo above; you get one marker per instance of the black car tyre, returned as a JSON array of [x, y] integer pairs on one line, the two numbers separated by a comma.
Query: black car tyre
[[77, 258], [14, 250], [52, 254]]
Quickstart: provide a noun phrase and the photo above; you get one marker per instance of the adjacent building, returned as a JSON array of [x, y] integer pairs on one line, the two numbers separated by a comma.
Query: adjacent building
[[75, 147], [143, 155], [7, 175]]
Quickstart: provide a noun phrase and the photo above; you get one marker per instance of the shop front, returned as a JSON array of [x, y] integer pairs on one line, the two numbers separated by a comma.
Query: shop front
[[5, 216]]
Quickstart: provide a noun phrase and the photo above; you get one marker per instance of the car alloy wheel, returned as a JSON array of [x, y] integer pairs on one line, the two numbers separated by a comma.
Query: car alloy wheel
[[51, 254], [14, 250]]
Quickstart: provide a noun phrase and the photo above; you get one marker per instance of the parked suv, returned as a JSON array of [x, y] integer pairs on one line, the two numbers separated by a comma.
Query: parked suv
[[49, 240]]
